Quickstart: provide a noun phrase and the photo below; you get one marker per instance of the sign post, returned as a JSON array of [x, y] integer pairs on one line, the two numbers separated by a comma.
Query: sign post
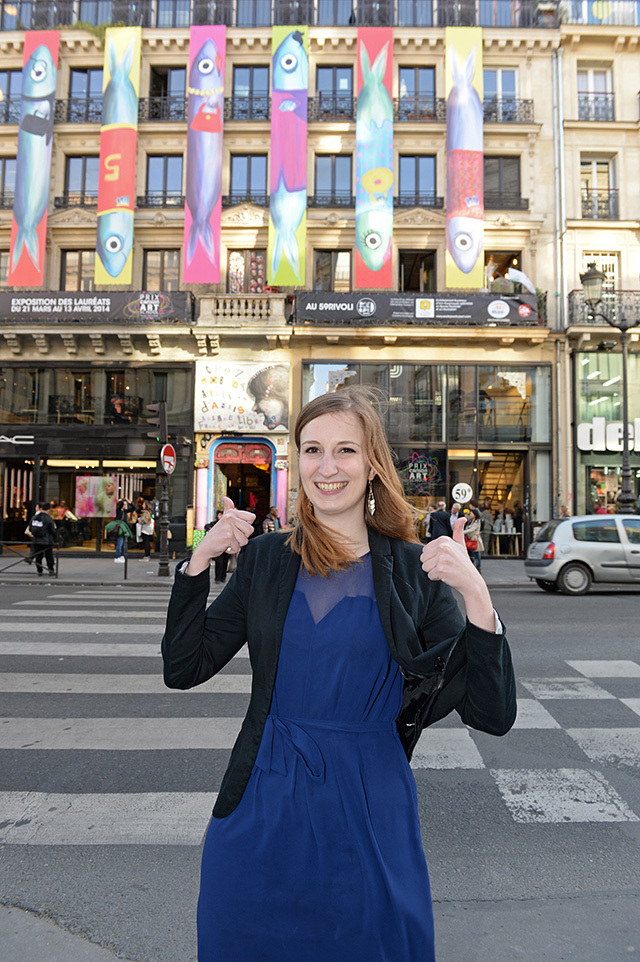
[[168, 455]]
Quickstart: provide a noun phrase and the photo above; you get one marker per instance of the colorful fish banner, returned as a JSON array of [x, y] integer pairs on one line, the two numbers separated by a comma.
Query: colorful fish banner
[[374, 159], [118, 138], [33, 164], [286, 253], [205, 116], [464, 260]]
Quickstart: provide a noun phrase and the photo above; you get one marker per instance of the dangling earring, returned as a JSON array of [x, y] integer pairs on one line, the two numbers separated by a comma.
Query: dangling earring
[[371, 500]]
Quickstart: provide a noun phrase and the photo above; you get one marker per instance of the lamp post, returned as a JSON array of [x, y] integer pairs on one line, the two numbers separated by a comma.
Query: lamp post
[[592, 281]]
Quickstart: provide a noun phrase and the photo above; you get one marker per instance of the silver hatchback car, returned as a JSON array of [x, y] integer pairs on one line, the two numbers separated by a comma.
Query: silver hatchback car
[[570, 554]]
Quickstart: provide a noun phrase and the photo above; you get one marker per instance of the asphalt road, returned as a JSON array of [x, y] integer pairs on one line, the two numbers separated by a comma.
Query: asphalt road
[[107, 781]]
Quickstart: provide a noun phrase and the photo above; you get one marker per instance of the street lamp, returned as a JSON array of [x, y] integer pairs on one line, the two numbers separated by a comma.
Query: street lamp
[[592, 281]]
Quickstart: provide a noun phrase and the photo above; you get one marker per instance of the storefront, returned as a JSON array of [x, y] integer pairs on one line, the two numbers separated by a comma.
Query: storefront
[[598, 429]]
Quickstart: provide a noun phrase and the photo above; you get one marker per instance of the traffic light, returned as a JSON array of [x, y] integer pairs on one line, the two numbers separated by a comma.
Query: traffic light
[[159, 409]]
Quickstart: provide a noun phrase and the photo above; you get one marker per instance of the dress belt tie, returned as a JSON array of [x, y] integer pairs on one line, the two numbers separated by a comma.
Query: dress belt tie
[[281, 732]]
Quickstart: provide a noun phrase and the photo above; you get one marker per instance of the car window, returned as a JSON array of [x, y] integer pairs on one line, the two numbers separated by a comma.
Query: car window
[[632, 527], [546, 533], [600, 529]]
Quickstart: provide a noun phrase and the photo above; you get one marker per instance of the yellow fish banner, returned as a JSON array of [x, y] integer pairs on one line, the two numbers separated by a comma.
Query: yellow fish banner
[[118, 139], [288, 159], [464, 257]]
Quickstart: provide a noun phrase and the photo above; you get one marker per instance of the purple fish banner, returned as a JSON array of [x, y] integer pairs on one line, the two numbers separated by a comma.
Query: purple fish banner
[[205, 115], [288, 159]]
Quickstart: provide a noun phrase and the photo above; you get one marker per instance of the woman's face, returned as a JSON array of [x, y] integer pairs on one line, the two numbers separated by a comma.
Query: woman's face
[[272, 410], [333, 467]]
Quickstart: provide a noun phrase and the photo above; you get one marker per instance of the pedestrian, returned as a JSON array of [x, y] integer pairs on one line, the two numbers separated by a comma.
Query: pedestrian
[[472, 535], [314, 850], [455, 513], [43, 532], [439, 523], [147, 528], [123, 509], [272, 521], [564, 511]]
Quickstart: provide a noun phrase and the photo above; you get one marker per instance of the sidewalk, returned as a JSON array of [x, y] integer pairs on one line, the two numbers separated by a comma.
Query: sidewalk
[[26, 937]]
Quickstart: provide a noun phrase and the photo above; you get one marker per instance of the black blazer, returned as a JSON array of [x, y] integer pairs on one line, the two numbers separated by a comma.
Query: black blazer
[[447, 663]]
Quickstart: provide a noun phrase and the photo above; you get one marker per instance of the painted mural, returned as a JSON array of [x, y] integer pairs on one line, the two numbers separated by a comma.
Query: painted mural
[[33, 165], [118, 138], [205, 116], [374, 159], [288, 158], [247, 398], [464, 260]]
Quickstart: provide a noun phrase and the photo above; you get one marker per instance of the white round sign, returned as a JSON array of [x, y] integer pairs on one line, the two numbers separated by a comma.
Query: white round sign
[[168, 458], [462, 493]]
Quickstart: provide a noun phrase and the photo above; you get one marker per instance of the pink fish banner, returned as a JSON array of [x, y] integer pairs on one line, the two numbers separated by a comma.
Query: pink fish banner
[[205, 117], [374, 159], [33, 165]]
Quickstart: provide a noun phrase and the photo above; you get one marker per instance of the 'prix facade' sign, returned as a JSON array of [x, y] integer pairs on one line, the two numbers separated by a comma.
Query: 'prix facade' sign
[[600, 435]]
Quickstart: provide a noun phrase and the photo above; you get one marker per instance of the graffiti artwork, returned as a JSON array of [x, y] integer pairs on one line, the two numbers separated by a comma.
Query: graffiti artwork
[[250, 398]]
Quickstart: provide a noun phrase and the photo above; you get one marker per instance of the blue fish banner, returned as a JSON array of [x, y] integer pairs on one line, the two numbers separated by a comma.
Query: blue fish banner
[[33, 166], [205, 115], [288, 160]]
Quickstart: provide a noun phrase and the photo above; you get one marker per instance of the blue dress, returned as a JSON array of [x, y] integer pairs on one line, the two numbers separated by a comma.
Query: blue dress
[[322, 859]]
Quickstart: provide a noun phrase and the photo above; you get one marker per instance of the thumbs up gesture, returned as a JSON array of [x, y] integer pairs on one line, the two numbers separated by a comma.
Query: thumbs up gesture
[[230, 533], [447, 559]]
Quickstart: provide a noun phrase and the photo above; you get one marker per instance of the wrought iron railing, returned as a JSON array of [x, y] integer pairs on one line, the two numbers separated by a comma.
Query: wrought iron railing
[[596, 106], [160, 198], [76, 198], [419, 199], [503, 110], [331, 106], [10, 110], [420, 108], [497, 200], [327, 198], [259, 198], [6, 200], [162, 108], [615, 304], [247, 108], [79, 110], [600, 204]]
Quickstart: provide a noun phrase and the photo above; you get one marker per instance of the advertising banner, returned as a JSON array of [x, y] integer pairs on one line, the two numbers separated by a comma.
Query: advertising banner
[[288, 158], [33, 163], [205, 116], [374, 158], [249, 398], [142, 306], [95, 496], [464, 256], [118, 138], [382, 308]]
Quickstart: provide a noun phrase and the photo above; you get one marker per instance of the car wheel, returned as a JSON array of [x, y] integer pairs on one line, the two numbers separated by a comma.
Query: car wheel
[[574, 579], [547, 585]]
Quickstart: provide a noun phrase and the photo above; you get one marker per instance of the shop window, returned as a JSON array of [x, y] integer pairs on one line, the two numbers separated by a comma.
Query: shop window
[[250, 99], [416, 402], [461, 403], [417, 270], [333, 180], [10, 90], [85, 95], [20, 394], [7, 181], [417, 181], [77, 270], [504, 409], [249, 179], [247, 272], [81, 181], [4, 268], [599, 380], [334, 93], [417, 90], [161, 270], [332, 270], [164, 180]]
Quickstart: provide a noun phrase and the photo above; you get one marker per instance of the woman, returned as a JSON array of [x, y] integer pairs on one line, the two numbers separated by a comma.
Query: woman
[[269, 388], [356, 642], [147, 528]]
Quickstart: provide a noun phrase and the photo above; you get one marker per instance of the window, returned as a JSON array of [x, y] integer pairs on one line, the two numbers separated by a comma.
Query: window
[[10, 88], [415, 13], [167, 93], [334, 93], [599, 195], [417, 181], [417, 93], [173, 13], [632, 530], [81, 181], [499, 100], [254, 13], [417, 270], [595, 94], [336, 12], [7, 181], [598, 529], [161, 270], [4, 268], [247, 272], [95, 11], [250, 93], [85, 96], [77, 270], [249, 178], [609, 263], [332, 271], [164, 181], [514, 404], [502, 182], [333, 180]]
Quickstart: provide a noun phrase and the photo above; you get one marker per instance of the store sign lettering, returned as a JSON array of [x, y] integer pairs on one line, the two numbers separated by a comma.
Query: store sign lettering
[[17, 439], [598, 435]]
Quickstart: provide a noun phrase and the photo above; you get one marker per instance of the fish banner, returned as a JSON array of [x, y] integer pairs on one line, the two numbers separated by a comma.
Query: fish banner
[[205, 113], [118, 137], [33, 164], [464, 260], [374, 159], [286, 253]]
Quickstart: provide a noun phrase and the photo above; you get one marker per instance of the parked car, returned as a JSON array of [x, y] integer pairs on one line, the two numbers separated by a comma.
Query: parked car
[[570, 554]]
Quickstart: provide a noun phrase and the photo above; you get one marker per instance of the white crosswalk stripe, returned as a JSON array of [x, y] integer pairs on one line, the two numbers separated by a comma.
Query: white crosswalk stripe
[[93, 628], [119, 734], [50, 683], [149, 613], [80, 649]]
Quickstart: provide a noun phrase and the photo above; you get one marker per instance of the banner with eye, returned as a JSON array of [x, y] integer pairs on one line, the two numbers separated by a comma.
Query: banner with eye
[[464, 257], [205, 118], [118, 139], [286, 255], [374, 159], [33, 161]]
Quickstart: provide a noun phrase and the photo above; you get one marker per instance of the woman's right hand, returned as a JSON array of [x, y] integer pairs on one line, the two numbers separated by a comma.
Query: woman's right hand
[[229, 534]]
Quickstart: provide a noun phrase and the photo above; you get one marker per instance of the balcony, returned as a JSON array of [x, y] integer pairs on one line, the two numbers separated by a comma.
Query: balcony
[[258, 198], [600, 204], [247, 108], [76, 198], [331, 106], [503, 110], [417, 199], [78, 110], [10, 111], [162, 108], [328, 198], [160, 198], [6, 200], [614, 304], [419, 108], [497, 200], [594, 107]]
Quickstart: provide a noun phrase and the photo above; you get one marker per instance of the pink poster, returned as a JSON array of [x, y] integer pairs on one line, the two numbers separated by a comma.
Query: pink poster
[[205, 115]]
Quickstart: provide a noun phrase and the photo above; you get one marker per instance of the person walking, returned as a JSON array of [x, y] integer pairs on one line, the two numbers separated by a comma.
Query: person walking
[[314, 850], [123, 510], [44, 534], [439, 523], [147, 529], [272, 521]]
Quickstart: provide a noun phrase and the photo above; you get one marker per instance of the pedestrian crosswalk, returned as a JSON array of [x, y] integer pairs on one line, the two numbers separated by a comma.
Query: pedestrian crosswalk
[[80, 704]]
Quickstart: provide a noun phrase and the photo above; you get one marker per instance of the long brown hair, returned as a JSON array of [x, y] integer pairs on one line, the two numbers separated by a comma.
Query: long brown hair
[[322, 548]]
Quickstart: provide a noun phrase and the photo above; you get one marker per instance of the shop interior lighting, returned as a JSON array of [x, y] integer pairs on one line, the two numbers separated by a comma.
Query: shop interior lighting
[[586, 360], [612, 380], [129, 464], [597, 401], [592, 375], [462, 453]]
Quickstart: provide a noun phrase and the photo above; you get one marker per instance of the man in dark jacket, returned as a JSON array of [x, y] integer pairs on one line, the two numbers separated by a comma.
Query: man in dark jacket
[[43, 529], [440, 522]]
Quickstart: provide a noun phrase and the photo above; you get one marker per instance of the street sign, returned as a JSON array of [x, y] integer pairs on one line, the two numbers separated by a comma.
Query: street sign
[[168, 458]]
